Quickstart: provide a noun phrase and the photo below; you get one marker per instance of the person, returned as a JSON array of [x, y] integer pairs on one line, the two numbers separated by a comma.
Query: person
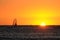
[[15, 22]]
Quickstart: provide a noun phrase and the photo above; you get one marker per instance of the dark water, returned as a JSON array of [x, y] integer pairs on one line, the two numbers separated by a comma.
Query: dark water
[[29, 32]]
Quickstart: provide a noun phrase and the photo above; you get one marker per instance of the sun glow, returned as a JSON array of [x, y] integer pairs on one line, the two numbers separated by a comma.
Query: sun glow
[[43, 24]]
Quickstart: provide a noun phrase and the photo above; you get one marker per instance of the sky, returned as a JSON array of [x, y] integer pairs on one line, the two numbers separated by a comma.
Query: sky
[[30, 12]]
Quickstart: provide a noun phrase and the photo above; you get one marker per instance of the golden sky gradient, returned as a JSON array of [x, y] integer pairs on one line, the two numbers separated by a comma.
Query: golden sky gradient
[[30, 12]]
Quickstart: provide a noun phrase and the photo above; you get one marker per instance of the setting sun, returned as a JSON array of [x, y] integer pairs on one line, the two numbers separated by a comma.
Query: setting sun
[[43, 24]]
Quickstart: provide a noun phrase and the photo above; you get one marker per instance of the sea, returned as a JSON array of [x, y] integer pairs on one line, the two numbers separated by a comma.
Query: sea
[[29, 32]]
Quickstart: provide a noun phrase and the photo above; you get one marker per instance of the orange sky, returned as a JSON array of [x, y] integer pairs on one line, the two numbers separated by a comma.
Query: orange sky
[[30, 12]]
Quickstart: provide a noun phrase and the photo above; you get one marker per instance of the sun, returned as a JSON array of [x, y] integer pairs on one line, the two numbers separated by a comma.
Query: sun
[[43, 24]]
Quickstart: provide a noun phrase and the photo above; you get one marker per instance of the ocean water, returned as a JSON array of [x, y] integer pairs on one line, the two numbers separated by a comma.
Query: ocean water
[[29, 32]]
